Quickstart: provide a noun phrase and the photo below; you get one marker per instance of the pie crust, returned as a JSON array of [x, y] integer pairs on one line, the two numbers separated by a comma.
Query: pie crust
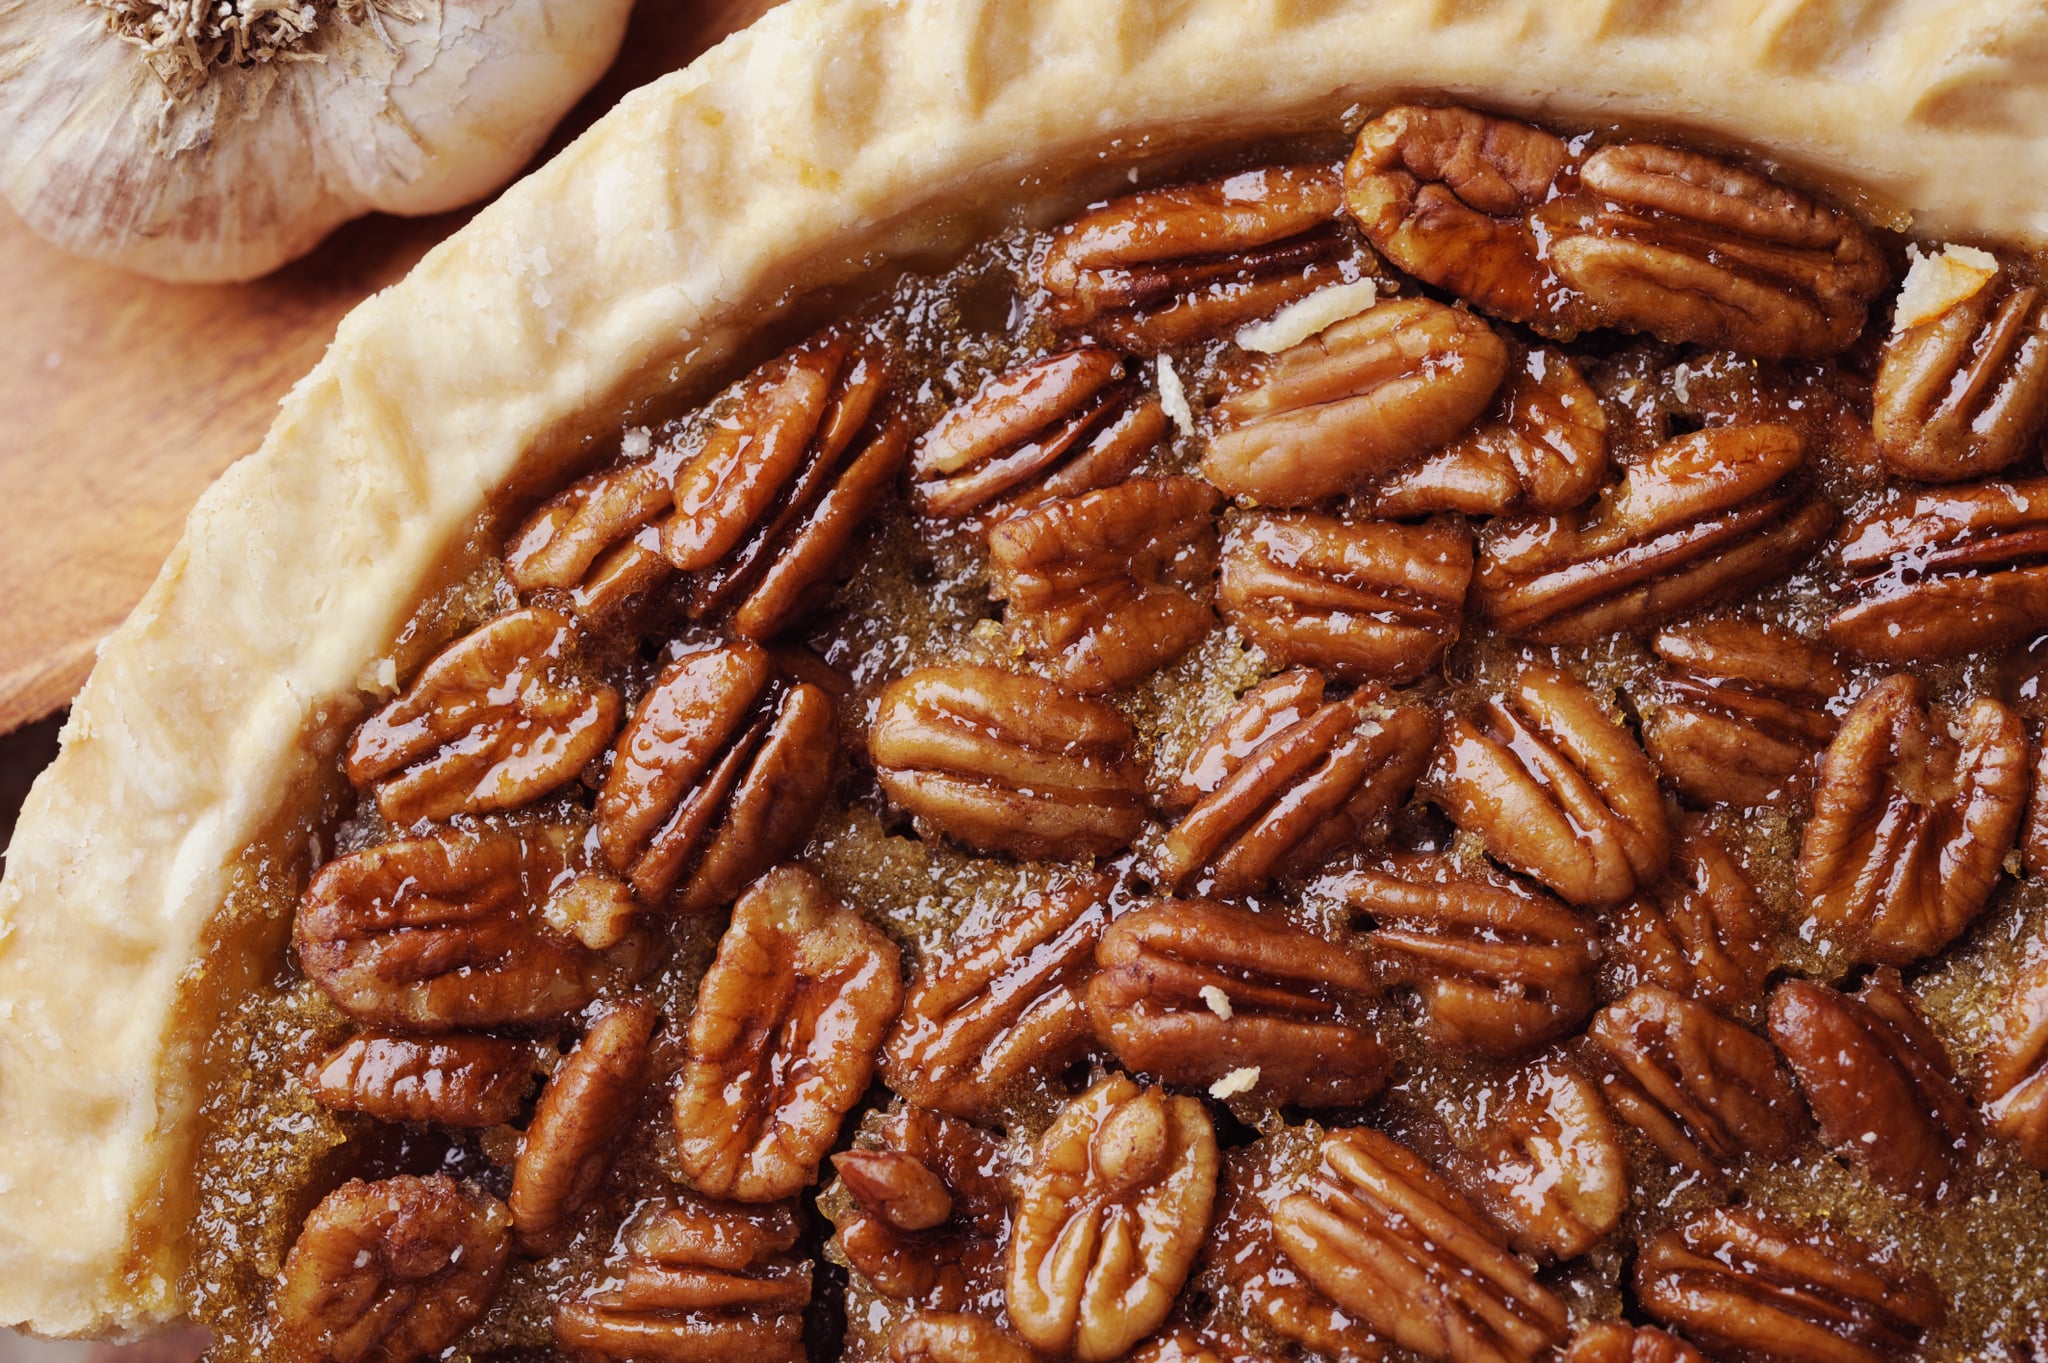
[[795, 155]]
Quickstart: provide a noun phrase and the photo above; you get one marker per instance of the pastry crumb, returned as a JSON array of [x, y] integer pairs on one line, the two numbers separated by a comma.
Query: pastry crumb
[[1311, 316], [1174, 397], [1218, 1001], [1938, 282], [1237, 1081]]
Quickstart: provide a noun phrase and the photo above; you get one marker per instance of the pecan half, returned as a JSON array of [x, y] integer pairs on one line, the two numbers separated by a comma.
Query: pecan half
[[1500, 968], [596, 541], [988, 1012], [784, 479], [450, 1080], [1109, 1219], [1101, 586], [1192, 991], [1878, 1081], [389, 1272], [1008, 763], [1284, 805], [457, 929], [1707, 514], [720, 774], [1056, 427], [1358, 599], [2014, 1085], [1382, 1235], [1699, 932], [1941, 572], [1163, 267], [496, 720], [954, 1337], [1613, 1341], [1703, 1090], [1910, 827], [582, 1113], [1364, 398], [1964, 393], [1749, 1285], [931, 1214], [1740, 711], [1556, 788], [1550, 1167], [783, 1039], [696, 1282]]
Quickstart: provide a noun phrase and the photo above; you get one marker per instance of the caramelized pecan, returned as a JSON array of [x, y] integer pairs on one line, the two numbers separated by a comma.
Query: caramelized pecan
[[1187, 1344], [1549, 1167], [2014, 1085], [1192, 992], [450, 1080], [1556, 788], [783, 1039], [1698, 932], [720, 774], [496, 720], [1358, 599], [1750, 1286], [1910, 826], [1740, 711], [1355, 403], [1109, 1219], [458, 929], [1101, 586], [931, 1214], [581, 1115], [390, 1272], [1878, 1081], [1707, 514], [1500, 968], [953, 1337], [1381, 1234], [1965, 392], [1613, 1341], [1007, 763], [597, 541], [1163, 267]]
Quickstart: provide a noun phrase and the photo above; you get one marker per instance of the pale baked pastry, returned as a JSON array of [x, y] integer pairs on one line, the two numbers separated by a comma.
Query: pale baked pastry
[[1154, 645]]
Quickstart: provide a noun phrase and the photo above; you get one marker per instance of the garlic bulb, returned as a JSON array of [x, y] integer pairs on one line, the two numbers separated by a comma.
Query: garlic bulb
[[217, 139]]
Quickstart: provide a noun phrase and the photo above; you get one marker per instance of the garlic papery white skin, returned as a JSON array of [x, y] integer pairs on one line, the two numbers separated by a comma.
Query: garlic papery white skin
[[217, 139]]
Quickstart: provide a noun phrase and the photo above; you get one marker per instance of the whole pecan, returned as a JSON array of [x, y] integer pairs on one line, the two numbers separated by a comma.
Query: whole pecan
[[582, 1113], [1740, 711], [1942, 572], [1549, 1167], [1555, 787], [1163, 267], [2014, 1084], [1703, 1090], [1192, 991], [1102, 586], [783, 1039], [451, 1080], [1347, 407], [1008, 763], [1377, 1231], [719, 775], [1878, 1081], [1501, 968], [1109, 1219], [597, 541], [1057, 427], [695, 1280], [1751, 1286], [931, 1213], [1359, 599], [460, 929], [1699, 932], [764, 510], [1282, 804], [956, 1337], [990, 1011], [1707, 514], [1613, 1341], [496, 720], [1964, 393], [389, 1272], [1910, 826]]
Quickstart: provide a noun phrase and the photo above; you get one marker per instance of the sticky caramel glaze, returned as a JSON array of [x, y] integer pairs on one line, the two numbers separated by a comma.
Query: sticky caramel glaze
[[917, 594]]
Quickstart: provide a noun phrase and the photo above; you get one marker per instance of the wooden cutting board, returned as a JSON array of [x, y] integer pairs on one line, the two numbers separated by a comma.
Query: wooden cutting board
[[122, 398]]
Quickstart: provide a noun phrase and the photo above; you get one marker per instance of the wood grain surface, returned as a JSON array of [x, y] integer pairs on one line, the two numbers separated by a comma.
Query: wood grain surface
[[122, 398]]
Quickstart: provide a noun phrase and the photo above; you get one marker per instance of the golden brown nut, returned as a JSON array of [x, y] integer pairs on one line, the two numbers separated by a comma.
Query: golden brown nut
[[1360, 600], [1556, 788], [2014, 1086], [582, 1113], [1381, 1234], [1878, 1081], [451, 1080], [1964, 393], [1109, 1219], [597, 541], [1613, 1341], [1501, 968], [1699, 932], [389, 1272], [954, 1337], [1193, 992], [930, 1216], [720, 775], [1109, 585], [496, 720], [1910, 827], [783, 1039], [1008, 763], [1549, 1167], [1754, 1288]]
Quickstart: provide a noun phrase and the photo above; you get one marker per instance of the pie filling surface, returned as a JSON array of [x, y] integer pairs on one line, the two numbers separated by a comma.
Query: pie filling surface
[[1420, 744]]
